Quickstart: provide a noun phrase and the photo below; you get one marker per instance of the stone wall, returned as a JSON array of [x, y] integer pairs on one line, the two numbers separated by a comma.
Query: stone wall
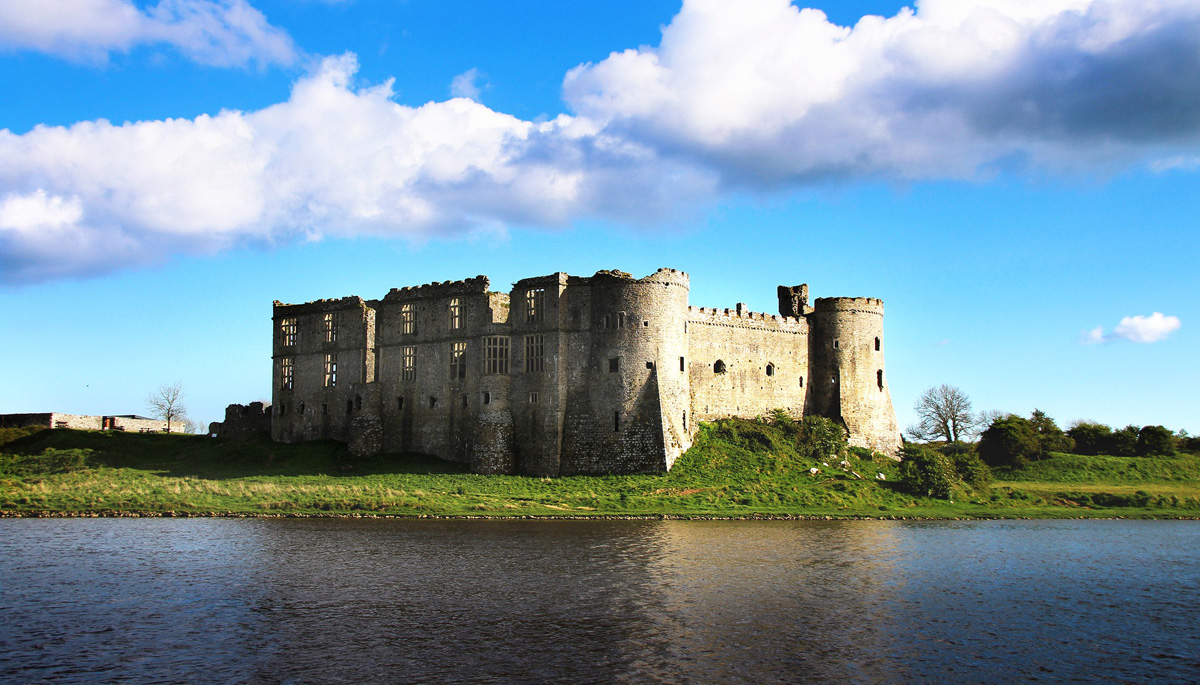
[[600, 374], [242, 421], [128, 422]]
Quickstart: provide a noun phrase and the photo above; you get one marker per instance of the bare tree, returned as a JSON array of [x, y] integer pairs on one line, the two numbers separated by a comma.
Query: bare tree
[[945, 413], [167, 403]]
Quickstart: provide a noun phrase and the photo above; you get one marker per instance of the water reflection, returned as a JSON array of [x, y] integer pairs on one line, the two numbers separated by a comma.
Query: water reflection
[[582, 601]]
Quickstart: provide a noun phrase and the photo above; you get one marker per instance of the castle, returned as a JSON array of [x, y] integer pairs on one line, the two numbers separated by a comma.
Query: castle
[[569, 375]]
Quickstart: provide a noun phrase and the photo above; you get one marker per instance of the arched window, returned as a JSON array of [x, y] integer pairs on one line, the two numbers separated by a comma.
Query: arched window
[[770, 369], [719, 367]]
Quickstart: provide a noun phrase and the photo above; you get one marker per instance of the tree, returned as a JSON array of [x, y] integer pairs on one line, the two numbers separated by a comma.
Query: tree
[[1124, 441], [945, 413], [167, 403], [1011, 441], [1155, 440], [926, 472], [1050, 436], [1091, 438]]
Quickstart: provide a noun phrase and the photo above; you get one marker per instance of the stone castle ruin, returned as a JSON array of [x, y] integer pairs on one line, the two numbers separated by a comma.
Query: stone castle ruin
[[569, 375]]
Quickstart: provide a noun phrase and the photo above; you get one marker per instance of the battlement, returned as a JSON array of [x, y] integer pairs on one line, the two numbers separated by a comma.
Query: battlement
[[319, 306], [871, 305], [741, 315], [468, 286]]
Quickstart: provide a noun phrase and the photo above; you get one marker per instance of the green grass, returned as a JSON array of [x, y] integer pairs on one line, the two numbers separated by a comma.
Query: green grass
[[736, 469]]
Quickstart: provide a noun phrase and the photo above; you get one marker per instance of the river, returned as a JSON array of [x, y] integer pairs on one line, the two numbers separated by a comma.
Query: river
[[334, 600]]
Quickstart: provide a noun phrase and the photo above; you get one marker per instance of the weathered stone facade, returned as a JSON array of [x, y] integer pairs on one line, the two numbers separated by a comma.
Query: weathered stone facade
[[242, 420], [120, 422], [569, 375]]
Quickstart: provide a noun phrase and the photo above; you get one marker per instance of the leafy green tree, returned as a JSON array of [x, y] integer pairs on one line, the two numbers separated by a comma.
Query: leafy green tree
[[1011, 441], [1124, 441], [1155, 440], [1050, 436], [1091, 438]]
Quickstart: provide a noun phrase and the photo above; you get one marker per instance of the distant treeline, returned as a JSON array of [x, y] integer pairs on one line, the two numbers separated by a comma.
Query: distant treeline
[[1015, 441]]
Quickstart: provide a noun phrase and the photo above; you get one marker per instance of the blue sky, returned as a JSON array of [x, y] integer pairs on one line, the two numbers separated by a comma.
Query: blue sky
[[1017, 180]]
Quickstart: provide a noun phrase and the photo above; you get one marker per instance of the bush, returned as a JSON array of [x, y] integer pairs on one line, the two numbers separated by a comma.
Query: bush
[[967, 464], [820, 438], [1091, 438], [1010, 441], [1050, 436], [1155, 440], [926, 473], [1124, 442]]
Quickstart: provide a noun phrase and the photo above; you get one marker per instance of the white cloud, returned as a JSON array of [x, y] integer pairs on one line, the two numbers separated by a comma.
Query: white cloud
[[1138, 329], [768, 94], [330, 160], [215, 32], [466, 85]]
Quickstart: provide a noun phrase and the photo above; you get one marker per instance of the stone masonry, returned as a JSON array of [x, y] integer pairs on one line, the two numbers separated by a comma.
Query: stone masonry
[[569, 375]]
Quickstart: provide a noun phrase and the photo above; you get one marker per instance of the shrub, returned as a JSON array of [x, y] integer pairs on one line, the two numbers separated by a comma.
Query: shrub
[[1155, 440], [1091, 438], [821, 438], [1050, 436], [927, 473], [1124, 442], [1010, 441], [967, 464]]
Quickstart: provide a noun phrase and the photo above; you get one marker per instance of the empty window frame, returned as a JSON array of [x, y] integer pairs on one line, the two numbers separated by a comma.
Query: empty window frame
[[287, 373], [487, 397], [802, 381], [836, 344], [616, 421], [400, 403], [685, 420], [330, 370], [432, 402], [331, 327], [458, 360], [324, 408], [718, 366], [464, 401], [535, 353], [408, 319], [495, 354], [533, 398], [302, 409], [614, 365], [682, 365], [879, 378], [877, 344], [535, 304], [770, 369], [456, 313], [288, 331], [649, 365], [408, 363]]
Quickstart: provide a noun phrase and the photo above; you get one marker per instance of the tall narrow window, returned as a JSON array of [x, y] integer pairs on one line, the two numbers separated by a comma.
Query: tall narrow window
[[487, 397], [616, 421], [287, 373], [495, 351], [535, 304], [682, 366], [408, 319], [331, 327], [685, 420], [876, 344], [879, 378], [287, 328], [614, 364], [770, 369], [458, 360], [621, 320], [535, 350], [330, 370], [408, 363], [400, 403], [456, 313]]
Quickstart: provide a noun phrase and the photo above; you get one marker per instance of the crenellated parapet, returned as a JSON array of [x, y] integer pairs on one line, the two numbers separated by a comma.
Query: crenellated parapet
[[320, 306], [467, 286]]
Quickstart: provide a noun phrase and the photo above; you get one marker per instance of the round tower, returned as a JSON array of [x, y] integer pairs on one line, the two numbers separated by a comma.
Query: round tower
[[848, 380], [635, 388]]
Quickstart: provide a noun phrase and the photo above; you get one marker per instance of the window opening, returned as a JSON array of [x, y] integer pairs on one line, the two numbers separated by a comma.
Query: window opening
[[287, 372], [533, 398], [879, 378], [487, 398], [835, 344], [456, 313], [358, 402], [685, 420], [288, 328], [649, 365], [495, 351], [301, 408], [349, 406], [802, 381], [535, 303], [324, 408], [876, 344], [432, 402], [770, 369], [719, 367], [408, 320], [645, 323], [621, 320], [282, 409], [331, 327], [614, 364], [408, 364], [616, 421], [464, 401], [330, 370], [682, 367], [400, 403], [458, 360], [535, 349]]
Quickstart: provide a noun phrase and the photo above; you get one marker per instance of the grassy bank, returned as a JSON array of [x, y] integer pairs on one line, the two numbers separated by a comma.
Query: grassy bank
[[736, 469]]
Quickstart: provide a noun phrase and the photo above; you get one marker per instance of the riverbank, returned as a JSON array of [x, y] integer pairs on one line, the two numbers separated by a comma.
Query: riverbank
[[743, 470]]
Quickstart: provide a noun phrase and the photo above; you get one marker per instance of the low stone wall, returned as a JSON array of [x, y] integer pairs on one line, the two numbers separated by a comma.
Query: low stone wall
[[243, 420]]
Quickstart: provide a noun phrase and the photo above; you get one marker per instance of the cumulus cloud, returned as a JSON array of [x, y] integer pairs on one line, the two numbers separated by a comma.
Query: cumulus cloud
[[757, 94], [768, 93], [1138, 329], [331, 160], [214, 32]]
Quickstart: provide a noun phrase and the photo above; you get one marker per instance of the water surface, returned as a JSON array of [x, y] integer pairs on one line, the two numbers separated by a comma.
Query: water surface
[[320, 600]]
